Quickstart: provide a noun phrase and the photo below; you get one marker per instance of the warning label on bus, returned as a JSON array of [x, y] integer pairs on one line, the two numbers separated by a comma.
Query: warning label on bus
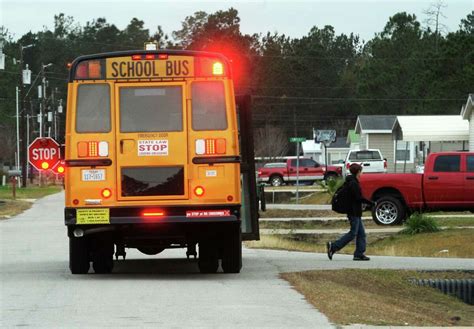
[[155, 147], [207, 213]]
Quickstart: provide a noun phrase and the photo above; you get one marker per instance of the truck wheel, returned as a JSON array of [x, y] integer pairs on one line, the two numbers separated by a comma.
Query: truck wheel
[[208, 257], [78, 256], [330, 177], [232, 252], [276, 181], [103, 258], [389, 211]]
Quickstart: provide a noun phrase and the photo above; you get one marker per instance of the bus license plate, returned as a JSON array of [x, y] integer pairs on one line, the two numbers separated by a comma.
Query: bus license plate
[[93, 175]]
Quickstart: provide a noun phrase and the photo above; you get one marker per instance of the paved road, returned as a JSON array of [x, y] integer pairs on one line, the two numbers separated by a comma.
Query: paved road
[[166, 291]]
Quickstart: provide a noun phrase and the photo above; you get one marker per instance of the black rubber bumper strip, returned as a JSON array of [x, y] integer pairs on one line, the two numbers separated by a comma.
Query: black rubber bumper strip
[[216, 159], [88, 162]]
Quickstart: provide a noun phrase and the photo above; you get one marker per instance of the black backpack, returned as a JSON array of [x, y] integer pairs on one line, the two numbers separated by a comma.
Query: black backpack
[[340, 199]]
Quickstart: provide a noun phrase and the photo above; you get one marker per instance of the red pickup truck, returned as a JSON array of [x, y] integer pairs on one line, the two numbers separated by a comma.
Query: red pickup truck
[[447, 184], [310, 171]]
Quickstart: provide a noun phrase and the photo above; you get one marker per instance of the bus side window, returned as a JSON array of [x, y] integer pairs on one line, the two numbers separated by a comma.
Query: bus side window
[[208, 106]]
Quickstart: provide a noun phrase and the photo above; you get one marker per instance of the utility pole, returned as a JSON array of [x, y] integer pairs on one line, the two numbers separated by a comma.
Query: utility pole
[[23, 132]]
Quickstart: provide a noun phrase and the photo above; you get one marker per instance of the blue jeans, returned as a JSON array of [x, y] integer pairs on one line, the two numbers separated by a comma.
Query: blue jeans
[[357, 232]]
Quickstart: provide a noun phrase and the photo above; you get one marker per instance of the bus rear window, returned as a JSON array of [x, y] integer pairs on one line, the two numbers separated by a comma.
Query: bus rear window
[[93, 108], [208, 104], [147, 109]]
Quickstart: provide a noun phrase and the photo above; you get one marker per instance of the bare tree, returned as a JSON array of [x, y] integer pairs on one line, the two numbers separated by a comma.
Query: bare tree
[[434, 15], [271, 142]]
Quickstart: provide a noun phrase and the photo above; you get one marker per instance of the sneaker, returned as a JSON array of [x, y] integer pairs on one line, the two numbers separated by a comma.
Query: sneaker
[[363, 257], [329, 250]]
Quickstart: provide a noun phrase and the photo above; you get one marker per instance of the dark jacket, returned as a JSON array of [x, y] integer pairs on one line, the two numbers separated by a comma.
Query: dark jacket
[[355, 198]]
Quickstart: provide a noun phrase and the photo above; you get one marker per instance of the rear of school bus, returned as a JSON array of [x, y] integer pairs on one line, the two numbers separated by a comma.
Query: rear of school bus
[[152, 156]]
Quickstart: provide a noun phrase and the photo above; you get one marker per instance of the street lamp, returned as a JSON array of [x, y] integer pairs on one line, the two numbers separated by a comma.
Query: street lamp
[[43, 102]]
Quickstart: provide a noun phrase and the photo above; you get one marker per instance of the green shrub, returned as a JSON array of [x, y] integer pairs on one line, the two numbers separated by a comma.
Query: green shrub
[[333, 184], [420, 223]]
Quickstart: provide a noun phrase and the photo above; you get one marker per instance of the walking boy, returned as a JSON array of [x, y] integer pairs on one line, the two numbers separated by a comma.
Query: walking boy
[[354, 214]]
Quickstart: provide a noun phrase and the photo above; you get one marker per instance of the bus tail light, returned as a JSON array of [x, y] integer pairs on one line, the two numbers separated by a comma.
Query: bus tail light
[[199, 191], [210, 146], [92, 149], [106, 193], [152, 213]]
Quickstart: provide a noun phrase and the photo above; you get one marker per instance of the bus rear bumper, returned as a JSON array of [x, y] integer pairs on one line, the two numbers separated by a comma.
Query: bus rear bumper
[[164, 216]]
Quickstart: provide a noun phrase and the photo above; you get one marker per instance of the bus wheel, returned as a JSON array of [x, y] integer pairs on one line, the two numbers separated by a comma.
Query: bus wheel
[[78, 256], [208, 257], [232, 252], [103, 261]]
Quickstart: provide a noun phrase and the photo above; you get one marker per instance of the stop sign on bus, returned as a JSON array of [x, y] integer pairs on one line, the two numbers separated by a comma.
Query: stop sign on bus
[[43, 153]]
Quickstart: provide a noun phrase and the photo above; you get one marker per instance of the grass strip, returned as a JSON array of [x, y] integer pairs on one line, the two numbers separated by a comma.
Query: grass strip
[[28, 192], [381, 297], [454, 243]]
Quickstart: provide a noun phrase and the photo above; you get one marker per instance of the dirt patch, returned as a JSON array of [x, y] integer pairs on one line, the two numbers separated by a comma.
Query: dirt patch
[[10, 208]]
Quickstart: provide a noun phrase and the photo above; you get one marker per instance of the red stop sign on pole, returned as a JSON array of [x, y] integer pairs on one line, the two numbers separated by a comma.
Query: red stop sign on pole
[[43, 153]]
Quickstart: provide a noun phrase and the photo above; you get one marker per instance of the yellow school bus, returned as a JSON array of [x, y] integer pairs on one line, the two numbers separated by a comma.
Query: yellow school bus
[[159, 155]]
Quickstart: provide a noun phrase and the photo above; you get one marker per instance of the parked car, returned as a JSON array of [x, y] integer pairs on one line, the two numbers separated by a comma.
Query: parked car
[[447, 184], [371, 160], [277, 174]]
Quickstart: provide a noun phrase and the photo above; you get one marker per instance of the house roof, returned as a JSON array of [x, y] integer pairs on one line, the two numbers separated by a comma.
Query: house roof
[[466, 110], [340, 143], [352, 137], [376, 124], [431, 128]]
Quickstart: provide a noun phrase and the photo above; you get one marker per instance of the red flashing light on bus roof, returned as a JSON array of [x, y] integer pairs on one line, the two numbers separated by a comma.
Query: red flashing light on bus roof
[[217, 68]]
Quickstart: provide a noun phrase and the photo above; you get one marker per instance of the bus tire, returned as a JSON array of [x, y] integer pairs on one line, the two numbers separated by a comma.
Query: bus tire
[[78, 255], [103, 260], [232, 252], [208, 261]]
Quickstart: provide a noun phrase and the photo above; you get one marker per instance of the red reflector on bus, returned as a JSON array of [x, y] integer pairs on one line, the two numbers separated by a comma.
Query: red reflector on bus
[[136, 57], [163, 56], [207, 213], [150, 56]]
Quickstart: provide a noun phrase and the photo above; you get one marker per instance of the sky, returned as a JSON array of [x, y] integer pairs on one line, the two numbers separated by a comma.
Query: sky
[[293, 18]]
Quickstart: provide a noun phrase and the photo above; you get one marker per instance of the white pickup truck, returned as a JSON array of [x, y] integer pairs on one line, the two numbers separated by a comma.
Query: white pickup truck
[[371, 160]]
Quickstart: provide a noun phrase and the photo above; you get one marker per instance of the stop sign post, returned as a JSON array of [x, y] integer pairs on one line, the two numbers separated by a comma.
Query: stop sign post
[[43, 153]]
